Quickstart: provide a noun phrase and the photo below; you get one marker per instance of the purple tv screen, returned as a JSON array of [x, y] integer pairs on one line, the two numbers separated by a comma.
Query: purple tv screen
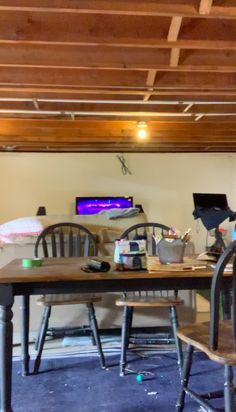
[[94, 205]]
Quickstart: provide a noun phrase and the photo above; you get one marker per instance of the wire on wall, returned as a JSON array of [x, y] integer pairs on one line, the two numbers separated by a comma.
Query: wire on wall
[[124, 168]]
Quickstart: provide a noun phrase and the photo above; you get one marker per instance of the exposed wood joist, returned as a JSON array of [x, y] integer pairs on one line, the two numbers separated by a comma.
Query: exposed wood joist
[[173, 36], [186, 8], [205, 6], [174, 28]]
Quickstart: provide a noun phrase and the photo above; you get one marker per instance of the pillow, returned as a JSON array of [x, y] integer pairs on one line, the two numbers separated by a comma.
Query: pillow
[[25, 226], [24, 230]]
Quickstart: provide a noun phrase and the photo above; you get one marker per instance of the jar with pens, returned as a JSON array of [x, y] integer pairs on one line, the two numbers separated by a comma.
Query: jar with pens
[[171, 246]]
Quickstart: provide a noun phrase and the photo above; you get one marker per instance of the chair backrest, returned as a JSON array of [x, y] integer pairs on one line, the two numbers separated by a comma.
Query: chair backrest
[[227, 256], [65, 240], [148, 231], [142, 230]]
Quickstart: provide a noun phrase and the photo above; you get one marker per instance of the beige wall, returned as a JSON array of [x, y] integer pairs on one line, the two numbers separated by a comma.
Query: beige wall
[[162, 183]]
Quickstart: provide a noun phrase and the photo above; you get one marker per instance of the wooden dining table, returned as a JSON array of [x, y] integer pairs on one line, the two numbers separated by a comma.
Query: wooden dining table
[[65, 275]]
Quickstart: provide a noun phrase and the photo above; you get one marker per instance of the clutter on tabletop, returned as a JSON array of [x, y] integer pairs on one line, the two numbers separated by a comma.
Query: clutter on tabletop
[[173, 234], [189, 264], [96, 265], [223, 232], [211, 257], [228, 268], [29, 263], [130, 254], [171, 245]]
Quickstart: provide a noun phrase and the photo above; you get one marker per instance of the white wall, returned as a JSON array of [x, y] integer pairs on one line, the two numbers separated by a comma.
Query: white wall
[[162, 183]]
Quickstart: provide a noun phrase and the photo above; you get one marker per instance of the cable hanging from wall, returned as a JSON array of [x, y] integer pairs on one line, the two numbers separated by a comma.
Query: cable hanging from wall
[[124, 168]]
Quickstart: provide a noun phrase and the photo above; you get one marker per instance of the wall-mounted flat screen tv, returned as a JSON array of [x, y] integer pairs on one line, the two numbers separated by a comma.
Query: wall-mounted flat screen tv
[[93, 205]]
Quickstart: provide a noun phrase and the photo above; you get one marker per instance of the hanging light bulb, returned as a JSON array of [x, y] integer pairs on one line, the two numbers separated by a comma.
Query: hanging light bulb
[[142, 130]]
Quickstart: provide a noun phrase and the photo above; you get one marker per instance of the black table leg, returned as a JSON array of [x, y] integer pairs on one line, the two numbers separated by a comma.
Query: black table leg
[[6, 332], [24, 332], [24, 329]]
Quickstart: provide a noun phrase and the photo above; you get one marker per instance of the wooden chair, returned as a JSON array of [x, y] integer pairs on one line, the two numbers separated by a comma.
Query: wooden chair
[[163, 299], [217, 339], [61, 240]]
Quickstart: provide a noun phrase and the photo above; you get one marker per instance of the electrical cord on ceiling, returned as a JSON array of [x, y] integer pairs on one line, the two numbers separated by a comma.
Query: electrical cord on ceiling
[[124, 168]]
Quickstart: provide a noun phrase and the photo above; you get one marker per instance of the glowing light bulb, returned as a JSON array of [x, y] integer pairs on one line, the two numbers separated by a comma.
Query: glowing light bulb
[[142, 134], [142, 130]]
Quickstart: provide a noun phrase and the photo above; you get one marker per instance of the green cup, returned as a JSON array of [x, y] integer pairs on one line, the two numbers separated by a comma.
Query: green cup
[[37, 262], [27, 263]]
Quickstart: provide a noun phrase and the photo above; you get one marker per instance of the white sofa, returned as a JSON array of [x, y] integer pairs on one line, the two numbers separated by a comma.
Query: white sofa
[[108, 315]]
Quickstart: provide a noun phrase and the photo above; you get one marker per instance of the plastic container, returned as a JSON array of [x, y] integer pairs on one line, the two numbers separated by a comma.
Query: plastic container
[[233, 235], [171, 250]]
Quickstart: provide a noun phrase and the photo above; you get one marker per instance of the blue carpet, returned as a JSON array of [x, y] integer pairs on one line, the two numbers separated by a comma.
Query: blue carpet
[[79, 385]]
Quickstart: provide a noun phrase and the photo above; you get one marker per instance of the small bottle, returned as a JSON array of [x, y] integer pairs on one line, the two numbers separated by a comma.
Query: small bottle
[[117, 259], [234, 234]]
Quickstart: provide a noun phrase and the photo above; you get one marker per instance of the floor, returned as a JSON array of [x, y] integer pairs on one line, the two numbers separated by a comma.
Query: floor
[[60, 356], [78, 384]]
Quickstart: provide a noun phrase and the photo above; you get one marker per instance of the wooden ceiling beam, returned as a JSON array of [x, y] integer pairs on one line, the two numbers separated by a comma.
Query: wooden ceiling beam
[[205, 7], [94, 148], [151, 77], [14, 126], [174, 28], [173, 33], [187, 8], [144, 43], [174, 57], [140, 68], [82, 29], [49, 140], [69, 78]]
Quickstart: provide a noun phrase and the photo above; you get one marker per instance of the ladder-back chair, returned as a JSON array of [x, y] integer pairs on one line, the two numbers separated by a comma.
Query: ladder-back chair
[[162, 299], [217, 339], [66, 240]]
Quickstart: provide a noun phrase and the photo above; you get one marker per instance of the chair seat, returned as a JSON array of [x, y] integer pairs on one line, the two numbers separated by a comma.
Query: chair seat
[[198, 336], [141, 301], [67, 299]]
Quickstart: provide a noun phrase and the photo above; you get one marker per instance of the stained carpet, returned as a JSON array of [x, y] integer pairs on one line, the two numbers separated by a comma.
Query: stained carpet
[[77, 384]]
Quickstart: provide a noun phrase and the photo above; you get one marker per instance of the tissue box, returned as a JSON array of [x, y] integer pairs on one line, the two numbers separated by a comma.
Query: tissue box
[[171, 250]]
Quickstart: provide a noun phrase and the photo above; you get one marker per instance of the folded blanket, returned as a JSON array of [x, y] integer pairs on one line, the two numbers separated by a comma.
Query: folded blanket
[[120, 213]]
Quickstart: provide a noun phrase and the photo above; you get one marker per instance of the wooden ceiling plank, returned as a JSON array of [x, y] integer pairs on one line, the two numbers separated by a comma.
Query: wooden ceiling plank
[[186, 8], [188, 107], [147, 96], [114, 79], [12, 125], [152, 43], [134, 31], [119, 7], [205, 7], [173, 33], [152, 68], [174, 28], [174, 57], [151, 77]]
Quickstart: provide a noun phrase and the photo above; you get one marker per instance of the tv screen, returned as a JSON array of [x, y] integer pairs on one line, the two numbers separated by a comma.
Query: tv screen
[[93, 205]]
